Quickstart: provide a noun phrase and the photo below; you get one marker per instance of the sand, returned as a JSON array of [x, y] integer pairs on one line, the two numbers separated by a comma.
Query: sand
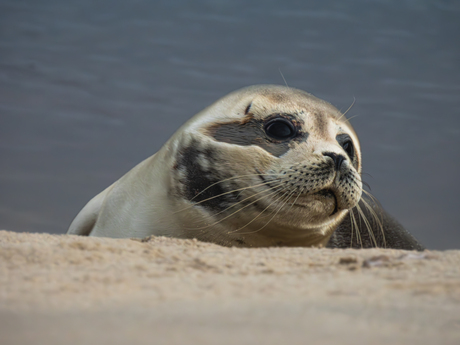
[[59, 289]]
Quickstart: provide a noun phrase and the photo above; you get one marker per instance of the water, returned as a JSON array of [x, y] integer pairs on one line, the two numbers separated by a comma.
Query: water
[[90, 88]]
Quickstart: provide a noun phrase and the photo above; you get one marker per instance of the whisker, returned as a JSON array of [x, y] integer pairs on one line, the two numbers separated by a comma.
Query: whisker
[[374, 200], [289, 196], [351, 106], [368, 226], [376, 218], [300, 193], [225, 193], [366, 184], [352, 117], [351, 227], [277, 187], [231, 178], [358, 234], [282, 76], [231, 232], [220, 220]]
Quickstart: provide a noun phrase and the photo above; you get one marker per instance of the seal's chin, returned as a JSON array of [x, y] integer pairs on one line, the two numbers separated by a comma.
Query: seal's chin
[[329, 195], [319, 206]]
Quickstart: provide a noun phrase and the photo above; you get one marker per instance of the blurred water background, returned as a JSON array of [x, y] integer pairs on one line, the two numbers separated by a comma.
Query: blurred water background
[[88, 89]]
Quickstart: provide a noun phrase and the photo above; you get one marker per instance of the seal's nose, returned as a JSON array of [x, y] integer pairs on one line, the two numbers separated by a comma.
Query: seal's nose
[[337, 158]]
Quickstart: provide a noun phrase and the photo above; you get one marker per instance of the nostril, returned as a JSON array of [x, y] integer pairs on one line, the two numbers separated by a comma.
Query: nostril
[[339, 161], [337, 158]]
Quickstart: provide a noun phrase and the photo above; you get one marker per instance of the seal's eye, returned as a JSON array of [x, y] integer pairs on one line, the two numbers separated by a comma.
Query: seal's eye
[[280, 129], [348, 147]]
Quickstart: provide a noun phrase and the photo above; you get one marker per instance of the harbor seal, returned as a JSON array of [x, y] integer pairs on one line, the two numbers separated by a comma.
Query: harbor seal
[[264, 166]]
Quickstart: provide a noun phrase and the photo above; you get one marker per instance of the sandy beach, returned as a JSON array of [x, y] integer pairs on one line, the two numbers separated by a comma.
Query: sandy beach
[[57, 289]]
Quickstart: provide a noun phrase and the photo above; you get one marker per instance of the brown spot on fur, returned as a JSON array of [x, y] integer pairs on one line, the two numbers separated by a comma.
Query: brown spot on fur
[[247, 118], [321, 123], [277, 97]]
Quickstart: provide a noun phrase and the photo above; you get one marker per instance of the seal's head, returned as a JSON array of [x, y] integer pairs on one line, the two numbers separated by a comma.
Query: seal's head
[[267, 165]]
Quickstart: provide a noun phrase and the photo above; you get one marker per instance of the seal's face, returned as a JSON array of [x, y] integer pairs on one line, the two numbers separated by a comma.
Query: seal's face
[[279, 162]]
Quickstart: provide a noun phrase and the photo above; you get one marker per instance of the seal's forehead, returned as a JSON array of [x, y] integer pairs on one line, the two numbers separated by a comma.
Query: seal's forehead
[[263, 101], [287, 100]]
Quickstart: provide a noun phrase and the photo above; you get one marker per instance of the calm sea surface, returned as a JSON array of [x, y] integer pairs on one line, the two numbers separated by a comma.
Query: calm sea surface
[[90, 88]]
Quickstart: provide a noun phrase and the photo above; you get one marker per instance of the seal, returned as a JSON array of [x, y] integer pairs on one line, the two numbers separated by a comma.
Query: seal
[[264, 166]]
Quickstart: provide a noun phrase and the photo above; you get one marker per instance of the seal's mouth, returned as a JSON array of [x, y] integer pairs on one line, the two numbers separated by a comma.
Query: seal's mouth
[[328, 193]]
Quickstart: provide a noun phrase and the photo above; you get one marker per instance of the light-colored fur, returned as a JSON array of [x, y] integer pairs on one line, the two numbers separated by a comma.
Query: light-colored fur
[[145, 200]]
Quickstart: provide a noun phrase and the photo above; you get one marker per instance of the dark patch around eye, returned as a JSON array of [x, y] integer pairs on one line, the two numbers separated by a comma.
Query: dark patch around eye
[[251, 132]]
